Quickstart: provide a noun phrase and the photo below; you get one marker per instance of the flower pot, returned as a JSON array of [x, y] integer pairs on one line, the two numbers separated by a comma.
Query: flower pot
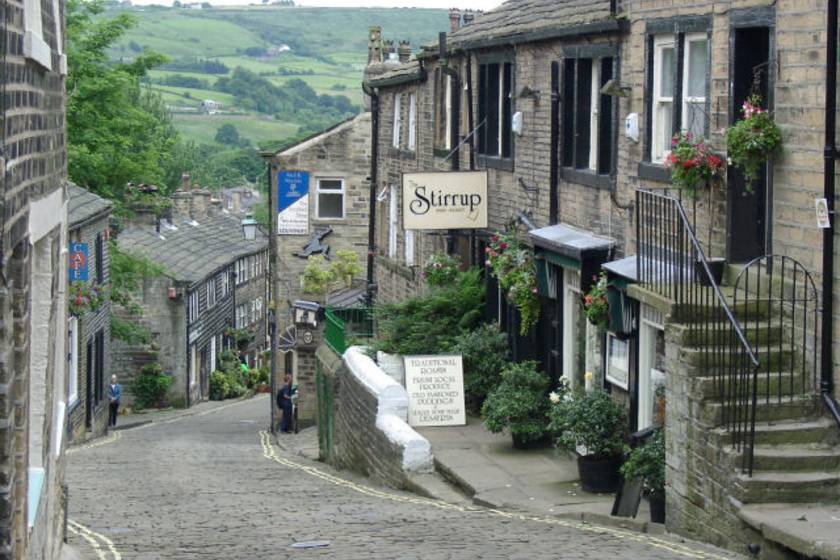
[[657, 507], [520, 442], [599, 476]]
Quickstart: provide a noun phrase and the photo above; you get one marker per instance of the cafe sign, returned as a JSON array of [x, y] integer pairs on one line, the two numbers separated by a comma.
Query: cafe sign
[[455, 200], [435, 386]]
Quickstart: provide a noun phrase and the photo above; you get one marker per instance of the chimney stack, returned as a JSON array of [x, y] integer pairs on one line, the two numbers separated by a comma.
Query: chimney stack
[[181, 203], [374, 45], [469, 17], [200, 204], [454, 19], [388, 49], [404, 51], [185, 181]]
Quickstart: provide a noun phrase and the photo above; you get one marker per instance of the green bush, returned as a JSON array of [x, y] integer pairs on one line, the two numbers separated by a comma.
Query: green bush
[[429, 324], [229, 381], [150, 386], [519, 403], [647, 462], [589, 419], [485, 354], [219, 386]]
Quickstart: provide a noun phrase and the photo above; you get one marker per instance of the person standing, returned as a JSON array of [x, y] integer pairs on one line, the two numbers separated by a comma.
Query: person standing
[[114, 396], [284, 401]]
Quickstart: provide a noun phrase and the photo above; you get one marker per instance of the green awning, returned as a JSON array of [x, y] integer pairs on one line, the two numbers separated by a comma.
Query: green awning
[[554, 258]]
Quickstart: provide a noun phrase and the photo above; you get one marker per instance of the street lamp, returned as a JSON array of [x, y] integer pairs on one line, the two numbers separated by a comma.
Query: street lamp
[[249, 227]]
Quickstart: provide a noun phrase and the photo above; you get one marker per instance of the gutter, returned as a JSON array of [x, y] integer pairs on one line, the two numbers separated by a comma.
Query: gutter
[[400, 79], [374, 181], [606, 26], [829, 159]]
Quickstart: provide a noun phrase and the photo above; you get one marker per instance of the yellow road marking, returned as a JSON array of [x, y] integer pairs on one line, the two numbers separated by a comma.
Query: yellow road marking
[[114, 436], [93, 538], [270, 453]]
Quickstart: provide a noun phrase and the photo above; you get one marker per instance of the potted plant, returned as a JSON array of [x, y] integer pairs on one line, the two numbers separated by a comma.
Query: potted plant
[[595, 303], [83, 297], [512, 262], [691, 163], [647, 463], [518, 404], [593, 425], [753, 140]]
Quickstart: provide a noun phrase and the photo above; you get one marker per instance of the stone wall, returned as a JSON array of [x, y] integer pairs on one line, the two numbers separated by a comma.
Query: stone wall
[[367, 428]]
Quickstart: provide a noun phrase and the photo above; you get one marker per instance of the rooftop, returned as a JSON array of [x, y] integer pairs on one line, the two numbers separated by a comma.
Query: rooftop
[[190, 251], [84, 205]]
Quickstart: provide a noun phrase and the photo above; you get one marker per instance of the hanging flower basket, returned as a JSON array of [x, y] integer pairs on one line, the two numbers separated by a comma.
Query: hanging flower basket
[[691, 163], [753, 140], [512, 263], [83, 297], [595, 303], [441, 270]]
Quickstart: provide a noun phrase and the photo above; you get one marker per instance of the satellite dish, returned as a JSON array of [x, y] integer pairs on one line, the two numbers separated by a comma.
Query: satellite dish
[[287, 340]]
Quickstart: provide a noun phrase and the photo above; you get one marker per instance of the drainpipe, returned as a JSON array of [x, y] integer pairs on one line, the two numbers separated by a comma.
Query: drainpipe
[[272, 281], [470, 117], [553, 161], [829, 157], [374, 182]]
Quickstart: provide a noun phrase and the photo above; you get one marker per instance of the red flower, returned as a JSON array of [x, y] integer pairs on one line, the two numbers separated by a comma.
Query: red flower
[[503, 245], [688, 164], [587, 300]]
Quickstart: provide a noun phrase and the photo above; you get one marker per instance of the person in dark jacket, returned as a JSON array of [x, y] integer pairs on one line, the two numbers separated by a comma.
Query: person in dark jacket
[[284, 401], [114, 396]]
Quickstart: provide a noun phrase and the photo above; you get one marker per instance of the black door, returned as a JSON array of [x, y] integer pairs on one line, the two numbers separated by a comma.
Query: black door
[[748, 211], [89, 386]]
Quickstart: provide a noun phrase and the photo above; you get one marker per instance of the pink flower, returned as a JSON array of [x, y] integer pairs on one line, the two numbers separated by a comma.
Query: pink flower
[[486, 263], [503, 245]]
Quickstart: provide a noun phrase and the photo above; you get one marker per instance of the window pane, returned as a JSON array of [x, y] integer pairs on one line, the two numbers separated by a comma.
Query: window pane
[[330, 206], [507, 114], [567, 104], [665, 129], [695, 119], [491, 98], [329, 184], [666, 73], [697, 56], [605, 123], [583, 109]]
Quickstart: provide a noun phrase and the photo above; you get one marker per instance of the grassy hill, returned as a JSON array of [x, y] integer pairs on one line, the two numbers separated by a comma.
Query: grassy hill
[[324, 47]]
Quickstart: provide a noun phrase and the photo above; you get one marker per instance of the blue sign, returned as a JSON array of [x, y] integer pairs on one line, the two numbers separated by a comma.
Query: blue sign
[[291, 187], [78, 268]]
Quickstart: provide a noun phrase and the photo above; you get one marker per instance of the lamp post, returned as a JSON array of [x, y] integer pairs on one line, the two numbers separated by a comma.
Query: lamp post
[[249, 227]]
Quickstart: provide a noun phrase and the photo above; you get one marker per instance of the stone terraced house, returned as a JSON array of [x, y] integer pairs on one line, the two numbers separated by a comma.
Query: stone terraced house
[[716, 300]]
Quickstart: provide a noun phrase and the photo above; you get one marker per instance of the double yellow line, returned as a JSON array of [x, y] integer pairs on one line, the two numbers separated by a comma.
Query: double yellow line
[[101, 545]]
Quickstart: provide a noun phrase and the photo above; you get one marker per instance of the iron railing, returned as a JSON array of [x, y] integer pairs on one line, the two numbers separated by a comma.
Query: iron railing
[[671, 263], [343, 326]]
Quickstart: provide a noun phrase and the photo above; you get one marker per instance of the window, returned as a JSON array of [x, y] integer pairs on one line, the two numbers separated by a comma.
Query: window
[[72, 360], [252, 266], [241, 271], [242, 316], [412, 122], [587, 125], [409, 247], [495, 109], [224, 281], [618, 361], [100, 257], [676, 108], [397, 120], [443, 110], [259, 301], [330, 198], [210, 288], [192, 306], [193, 364], [392, 223]]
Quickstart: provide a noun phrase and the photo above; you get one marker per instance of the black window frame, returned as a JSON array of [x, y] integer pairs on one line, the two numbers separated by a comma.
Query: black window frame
[[100, 256], [493, 69]]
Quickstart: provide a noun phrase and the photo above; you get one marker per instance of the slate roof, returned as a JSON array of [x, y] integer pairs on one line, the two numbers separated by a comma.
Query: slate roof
[[191, 253], [408, 72], [84, 205], [568, 240]]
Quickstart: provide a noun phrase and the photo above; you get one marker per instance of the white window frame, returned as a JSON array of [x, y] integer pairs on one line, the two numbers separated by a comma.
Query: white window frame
[[393, 223], [694, 100], [412, 122], [397, 132], [651, 322], [193, 364], [210, 288], [212, 354], [447, 140], [224, 280], [659, 148], [34, 45], [409, 247], [594, 114], [319, 192], [73, 360], [618, 366], [501, 125], [192, 306], [571, 312]]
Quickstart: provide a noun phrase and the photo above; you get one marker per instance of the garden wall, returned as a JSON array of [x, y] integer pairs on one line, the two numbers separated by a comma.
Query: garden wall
[[363, 420]]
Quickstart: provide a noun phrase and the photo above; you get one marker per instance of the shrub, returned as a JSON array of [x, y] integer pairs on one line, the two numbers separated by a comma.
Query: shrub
[[317, 276], [219, 386], [647, 462], [592, 420], [441, 269], [518, 404], [345, 267], [150, 386], [485, 354]]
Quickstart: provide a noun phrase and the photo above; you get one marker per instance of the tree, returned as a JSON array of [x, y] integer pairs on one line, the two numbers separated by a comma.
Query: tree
[[228, 135]]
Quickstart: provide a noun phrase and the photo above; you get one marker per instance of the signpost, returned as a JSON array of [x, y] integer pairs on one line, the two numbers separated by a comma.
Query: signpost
[[78, 268], [456, 200], [293, 203], [435, 386]]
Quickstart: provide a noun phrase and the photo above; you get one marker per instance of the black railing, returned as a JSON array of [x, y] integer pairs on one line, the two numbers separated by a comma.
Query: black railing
[[671, 263]]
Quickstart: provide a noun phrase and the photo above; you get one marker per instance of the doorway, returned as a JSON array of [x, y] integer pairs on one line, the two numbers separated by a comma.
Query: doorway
[[748, 205]]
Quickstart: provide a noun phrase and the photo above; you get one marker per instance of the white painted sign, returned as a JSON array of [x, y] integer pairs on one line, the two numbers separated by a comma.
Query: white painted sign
[[823, 218], [451, 200], [294, 220], [293, 203], [435, 386]]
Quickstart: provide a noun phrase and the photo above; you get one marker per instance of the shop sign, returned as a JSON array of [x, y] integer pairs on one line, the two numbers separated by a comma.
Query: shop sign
[[456, 200], [293, 203], [435, 386]]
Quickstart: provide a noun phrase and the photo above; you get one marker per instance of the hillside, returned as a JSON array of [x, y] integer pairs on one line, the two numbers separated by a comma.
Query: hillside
[[277, 71]]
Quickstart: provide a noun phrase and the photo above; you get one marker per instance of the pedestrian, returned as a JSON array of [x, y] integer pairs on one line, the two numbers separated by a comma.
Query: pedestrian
[[114, 396], [284, 401]]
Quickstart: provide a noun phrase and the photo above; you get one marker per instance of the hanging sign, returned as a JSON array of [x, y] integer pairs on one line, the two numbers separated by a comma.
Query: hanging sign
[[78, 266], [293, 203], [823, 218], [456, 200], [435, 386]]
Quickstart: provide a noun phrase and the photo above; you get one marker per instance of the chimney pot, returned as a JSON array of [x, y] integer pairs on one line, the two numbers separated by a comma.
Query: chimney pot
[[469, 17], [454, 19], [185, 181], [404, 51]]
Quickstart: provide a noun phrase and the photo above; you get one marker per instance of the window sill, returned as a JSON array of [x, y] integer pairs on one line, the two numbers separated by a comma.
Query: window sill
[[35, 48], [586, 177], [442, 152], [490, 162], [399, 153], [654, 172]]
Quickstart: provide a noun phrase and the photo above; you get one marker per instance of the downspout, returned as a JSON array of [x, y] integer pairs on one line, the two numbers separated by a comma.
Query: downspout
[[272, 283], [374, 181], [829, 157], [470, 116], [553, 163]]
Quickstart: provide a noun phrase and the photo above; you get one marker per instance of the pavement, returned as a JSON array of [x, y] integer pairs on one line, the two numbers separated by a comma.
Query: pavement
[[213, 484], [812, 530]]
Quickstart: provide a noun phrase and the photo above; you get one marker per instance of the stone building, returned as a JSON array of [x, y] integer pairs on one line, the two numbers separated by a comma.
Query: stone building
[[214, 287], [570, 108], [33, 283], [336, 163], [88, 332]]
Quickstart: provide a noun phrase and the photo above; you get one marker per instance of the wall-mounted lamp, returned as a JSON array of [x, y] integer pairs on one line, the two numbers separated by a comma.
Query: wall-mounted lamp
[[613, 88], [528, 92], [249, 227]]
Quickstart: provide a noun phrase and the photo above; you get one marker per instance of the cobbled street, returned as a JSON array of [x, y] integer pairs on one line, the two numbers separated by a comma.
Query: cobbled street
[[212, 485]]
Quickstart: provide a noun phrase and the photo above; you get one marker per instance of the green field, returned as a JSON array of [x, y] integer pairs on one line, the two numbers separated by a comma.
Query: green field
[[328, 44]]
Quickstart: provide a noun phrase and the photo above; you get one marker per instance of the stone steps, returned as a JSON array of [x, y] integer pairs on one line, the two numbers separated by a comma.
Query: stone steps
[[720, 333], [790, 408], [704, 362], [778, 383], [793, 457], [820, 430], [790, 487]]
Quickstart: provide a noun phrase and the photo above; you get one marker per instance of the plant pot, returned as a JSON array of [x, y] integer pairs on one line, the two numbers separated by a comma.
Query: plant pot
[[657, 507], [716, 266], [519, 442], [599, 476]]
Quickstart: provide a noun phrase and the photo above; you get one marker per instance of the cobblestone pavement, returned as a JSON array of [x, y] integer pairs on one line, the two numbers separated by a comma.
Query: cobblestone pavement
[[212, 485]]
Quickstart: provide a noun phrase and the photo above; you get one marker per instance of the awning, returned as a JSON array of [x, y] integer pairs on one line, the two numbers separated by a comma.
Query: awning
[[571, 242]]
